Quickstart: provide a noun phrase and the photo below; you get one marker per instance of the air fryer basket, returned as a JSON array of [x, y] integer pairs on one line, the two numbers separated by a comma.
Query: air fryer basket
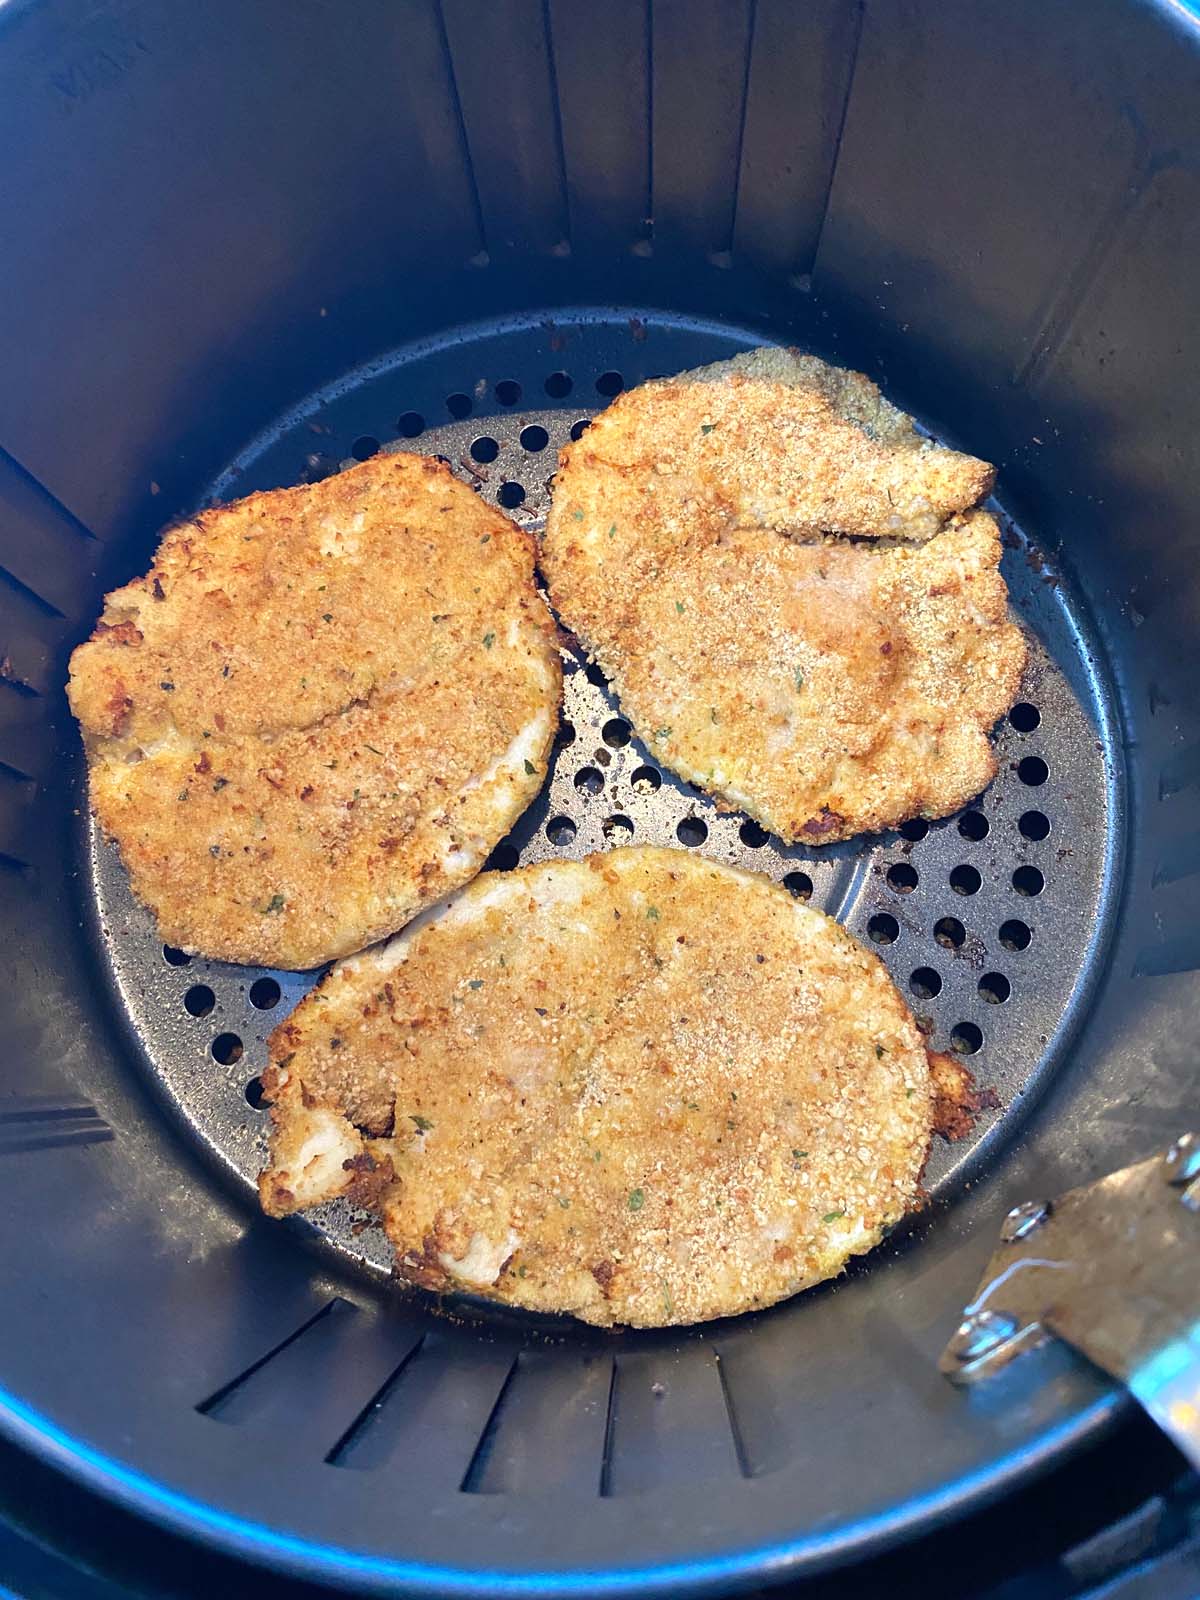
[[246, 243]]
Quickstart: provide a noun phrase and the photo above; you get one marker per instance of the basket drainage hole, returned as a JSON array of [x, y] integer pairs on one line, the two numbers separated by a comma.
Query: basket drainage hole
[[175, 957], [798, 884], [902, 877], [255, 1095], [227, 1048], [752, 835], [264, 993], [511, 494], [1015, 935], [565, 735], [503, 858], [1033, 771], [1024, 717], [364, 447], [950, 933], [199, 1000], [616, 732], [609, 384], [618, 829], [646, 780], [692, 831], [560, 830], [1034, 825], [1028, 881], [883, 929], [965, 880], [594, 674], [994, 988], [410, 424], [966, 1038], [925, 983], [973, 825], [914, 829], [577, 428], [508, 391], [459, 406], [589, 780], [534, 438], [484, 448], [558, 385]]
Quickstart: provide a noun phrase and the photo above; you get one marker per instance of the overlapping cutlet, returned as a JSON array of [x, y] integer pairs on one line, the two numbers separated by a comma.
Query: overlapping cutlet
[[827, 689], [782, 580], [319, 710], [644, 1088]]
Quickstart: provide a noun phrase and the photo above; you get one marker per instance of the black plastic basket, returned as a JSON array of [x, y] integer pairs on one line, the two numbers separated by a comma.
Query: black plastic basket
[[249, 240]]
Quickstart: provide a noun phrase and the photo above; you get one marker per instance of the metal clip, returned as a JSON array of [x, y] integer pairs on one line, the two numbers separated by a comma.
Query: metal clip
[[1114, 1270]]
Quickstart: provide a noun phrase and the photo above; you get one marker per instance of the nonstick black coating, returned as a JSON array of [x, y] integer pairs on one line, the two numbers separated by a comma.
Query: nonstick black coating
[[213, 213]]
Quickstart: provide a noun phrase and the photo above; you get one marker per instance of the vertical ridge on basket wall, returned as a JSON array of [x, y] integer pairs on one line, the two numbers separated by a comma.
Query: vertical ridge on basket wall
[[960, 282], [697, 98], [1173, 942], [48, 583], [308, 1391], [671, 1421], [46, 549], [27, 747], [271, 227], [798, 83], [31, 632], [511, 125], [1124, 352], [548, 1430], [16, 803], [442, 1404], [29, 640], [31, 1123], [601, 59]]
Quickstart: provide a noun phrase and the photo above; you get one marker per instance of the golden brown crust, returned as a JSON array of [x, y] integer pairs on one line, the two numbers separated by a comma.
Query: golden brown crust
[[644, 1088], [826, 687], [956, 1100], [319, 710]]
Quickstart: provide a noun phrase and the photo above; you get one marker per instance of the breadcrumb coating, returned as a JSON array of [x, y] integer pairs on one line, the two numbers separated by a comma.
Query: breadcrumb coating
[[782, 580], [319, 711], [644, 1088]]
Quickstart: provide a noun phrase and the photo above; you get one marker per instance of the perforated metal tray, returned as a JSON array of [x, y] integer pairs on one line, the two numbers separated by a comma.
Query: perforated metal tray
[[989, 920]]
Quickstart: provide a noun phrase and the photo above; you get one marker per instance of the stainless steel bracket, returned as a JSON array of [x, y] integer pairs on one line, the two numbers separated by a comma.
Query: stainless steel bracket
[[1113, 1269]]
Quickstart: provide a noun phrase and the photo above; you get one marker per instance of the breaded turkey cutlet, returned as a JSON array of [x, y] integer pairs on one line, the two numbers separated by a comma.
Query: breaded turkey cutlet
[[319, 710], [643, 1088], [785, 583]]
